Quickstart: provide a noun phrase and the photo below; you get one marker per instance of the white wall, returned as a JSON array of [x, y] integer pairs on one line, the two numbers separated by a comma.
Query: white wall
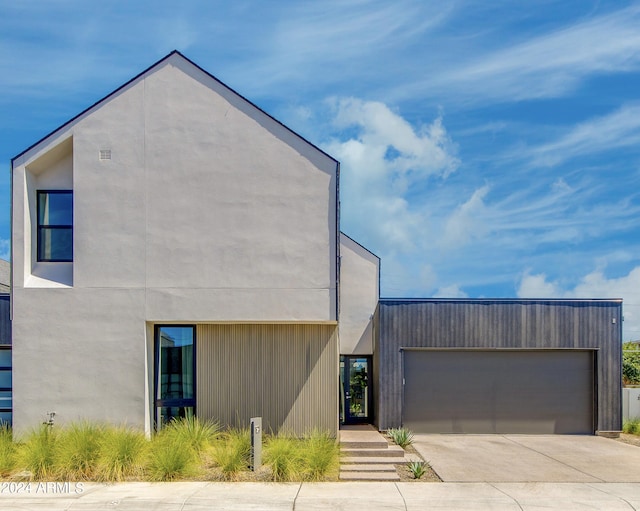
[[359, 293], [208, 211], [630, 403]]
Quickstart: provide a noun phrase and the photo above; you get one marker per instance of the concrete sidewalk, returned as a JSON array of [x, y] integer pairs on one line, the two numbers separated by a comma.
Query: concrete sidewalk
[[195, 496]]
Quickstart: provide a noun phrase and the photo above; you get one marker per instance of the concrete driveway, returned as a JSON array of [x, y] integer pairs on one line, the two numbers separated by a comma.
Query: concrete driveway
[[530, 458]]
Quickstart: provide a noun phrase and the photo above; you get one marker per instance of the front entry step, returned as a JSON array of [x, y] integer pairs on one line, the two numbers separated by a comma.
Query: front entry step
[[365, 455], [369, 476], [368, 467], [389, 451]]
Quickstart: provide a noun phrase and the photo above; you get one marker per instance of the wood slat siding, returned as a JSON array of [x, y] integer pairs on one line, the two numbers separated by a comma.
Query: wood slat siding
[[559, 324], [5, 321], [286, 374]]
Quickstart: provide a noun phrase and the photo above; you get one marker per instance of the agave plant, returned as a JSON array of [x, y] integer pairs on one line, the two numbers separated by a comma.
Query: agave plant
[[417, 468], [401, 436]]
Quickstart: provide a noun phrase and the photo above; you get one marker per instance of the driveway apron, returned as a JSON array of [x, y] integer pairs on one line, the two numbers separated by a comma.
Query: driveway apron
[[530, 458]]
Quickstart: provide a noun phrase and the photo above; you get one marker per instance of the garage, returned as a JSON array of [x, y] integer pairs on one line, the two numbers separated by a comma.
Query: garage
[[505, 366], [499, 391]]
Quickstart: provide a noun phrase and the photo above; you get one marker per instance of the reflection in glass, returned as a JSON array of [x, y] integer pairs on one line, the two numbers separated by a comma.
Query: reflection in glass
[[168, 413], [358, 406], [5, 379], [355, 392], [176, 363], [175, 373], [5, 358], [55, 225]]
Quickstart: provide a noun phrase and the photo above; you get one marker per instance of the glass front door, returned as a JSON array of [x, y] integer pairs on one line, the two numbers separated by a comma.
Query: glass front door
[[355, 391]]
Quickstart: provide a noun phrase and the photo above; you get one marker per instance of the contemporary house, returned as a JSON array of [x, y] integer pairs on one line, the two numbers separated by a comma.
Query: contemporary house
[[177, 251]]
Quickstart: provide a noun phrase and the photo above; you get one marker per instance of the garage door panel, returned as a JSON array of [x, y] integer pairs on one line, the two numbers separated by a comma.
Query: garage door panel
[[498, 391]]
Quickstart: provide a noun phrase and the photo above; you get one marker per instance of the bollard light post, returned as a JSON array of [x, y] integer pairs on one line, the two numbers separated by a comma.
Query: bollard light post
[[256, 443]]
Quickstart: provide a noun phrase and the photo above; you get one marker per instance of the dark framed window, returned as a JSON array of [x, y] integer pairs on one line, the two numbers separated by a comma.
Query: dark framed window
[[6, 405], [55, 225], [175, 372]]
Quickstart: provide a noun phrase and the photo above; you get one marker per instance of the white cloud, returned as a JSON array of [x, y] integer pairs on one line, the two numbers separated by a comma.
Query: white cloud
[[451, 291], [466, 221], [613, 131], [551, 64], [383, 158], [341, 41], [592, 285], [537, 286]]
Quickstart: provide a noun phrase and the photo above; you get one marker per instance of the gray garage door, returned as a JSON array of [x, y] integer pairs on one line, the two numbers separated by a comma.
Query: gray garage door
[[515, 391]]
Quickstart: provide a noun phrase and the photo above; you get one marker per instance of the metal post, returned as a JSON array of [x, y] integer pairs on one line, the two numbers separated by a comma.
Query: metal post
[[256, 443]]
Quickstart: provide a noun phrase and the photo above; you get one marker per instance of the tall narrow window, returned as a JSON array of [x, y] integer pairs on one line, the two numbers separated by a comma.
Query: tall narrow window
[[55, 225], [5, 386], [175, 372]]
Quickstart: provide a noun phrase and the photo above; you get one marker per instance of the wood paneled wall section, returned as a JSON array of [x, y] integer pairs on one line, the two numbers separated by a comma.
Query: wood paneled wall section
[[286, 374], [507, 324]]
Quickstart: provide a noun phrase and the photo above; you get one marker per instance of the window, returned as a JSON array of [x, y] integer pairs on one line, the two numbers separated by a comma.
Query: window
[[5, 385], [55, 225], [175, 372]]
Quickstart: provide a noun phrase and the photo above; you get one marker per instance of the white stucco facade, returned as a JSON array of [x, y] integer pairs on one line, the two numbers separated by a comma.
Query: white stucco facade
[[359, 294], [207, 211]]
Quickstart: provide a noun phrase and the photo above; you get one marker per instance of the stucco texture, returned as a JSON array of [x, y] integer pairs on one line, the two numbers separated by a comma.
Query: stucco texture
[[207, 211]]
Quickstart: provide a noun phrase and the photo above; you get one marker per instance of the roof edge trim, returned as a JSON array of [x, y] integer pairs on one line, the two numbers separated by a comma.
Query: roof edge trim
[[504, 300], [359, 244], [136, 77]]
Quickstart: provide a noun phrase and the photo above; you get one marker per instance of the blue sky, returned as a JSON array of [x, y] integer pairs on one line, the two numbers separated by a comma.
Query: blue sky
[[488, 149]]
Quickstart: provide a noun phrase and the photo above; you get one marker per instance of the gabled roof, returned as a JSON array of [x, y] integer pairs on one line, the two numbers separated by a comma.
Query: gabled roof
[[359, 244], [149, 69]]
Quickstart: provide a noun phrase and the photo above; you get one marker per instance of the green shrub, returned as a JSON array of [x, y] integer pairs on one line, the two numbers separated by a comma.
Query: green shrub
[[191, 431], [284, 454], [36, 454], [171, 458], [401, 436], [630, 363], [7, 450], [417, 468], [122, 454], [76, 451], [231, 452], [319, 456], [631, 426]]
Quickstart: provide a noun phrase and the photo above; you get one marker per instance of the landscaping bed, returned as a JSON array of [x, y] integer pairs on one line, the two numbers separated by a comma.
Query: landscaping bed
[[408, 473], [187, 450]]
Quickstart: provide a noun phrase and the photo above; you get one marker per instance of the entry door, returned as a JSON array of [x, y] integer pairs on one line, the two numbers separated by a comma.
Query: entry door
[[355, 399]]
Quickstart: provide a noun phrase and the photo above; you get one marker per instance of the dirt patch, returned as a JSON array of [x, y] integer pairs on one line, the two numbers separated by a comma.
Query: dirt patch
[[406, 476], [629, 439]]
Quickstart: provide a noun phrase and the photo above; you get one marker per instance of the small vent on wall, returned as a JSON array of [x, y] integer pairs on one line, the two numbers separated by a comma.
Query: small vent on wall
[[105, 154]]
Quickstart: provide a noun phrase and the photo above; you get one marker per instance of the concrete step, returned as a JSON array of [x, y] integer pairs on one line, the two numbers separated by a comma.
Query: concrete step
[[362, 437], [364, 444], [372, 460], [390, 451], [369, 476], [368, 467], [367, 456]]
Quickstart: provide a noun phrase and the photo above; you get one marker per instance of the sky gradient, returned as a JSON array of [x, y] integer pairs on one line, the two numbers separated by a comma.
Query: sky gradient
[[487, 149]]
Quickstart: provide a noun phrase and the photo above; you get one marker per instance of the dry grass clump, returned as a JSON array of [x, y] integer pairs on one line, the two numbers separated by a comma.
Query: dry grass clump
[[184, 449]]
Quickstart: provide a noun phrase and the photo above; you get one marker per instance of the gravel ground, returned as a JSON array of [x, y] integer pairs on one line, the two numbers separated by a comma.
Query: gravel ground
[[405, 474], [629, 439]]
